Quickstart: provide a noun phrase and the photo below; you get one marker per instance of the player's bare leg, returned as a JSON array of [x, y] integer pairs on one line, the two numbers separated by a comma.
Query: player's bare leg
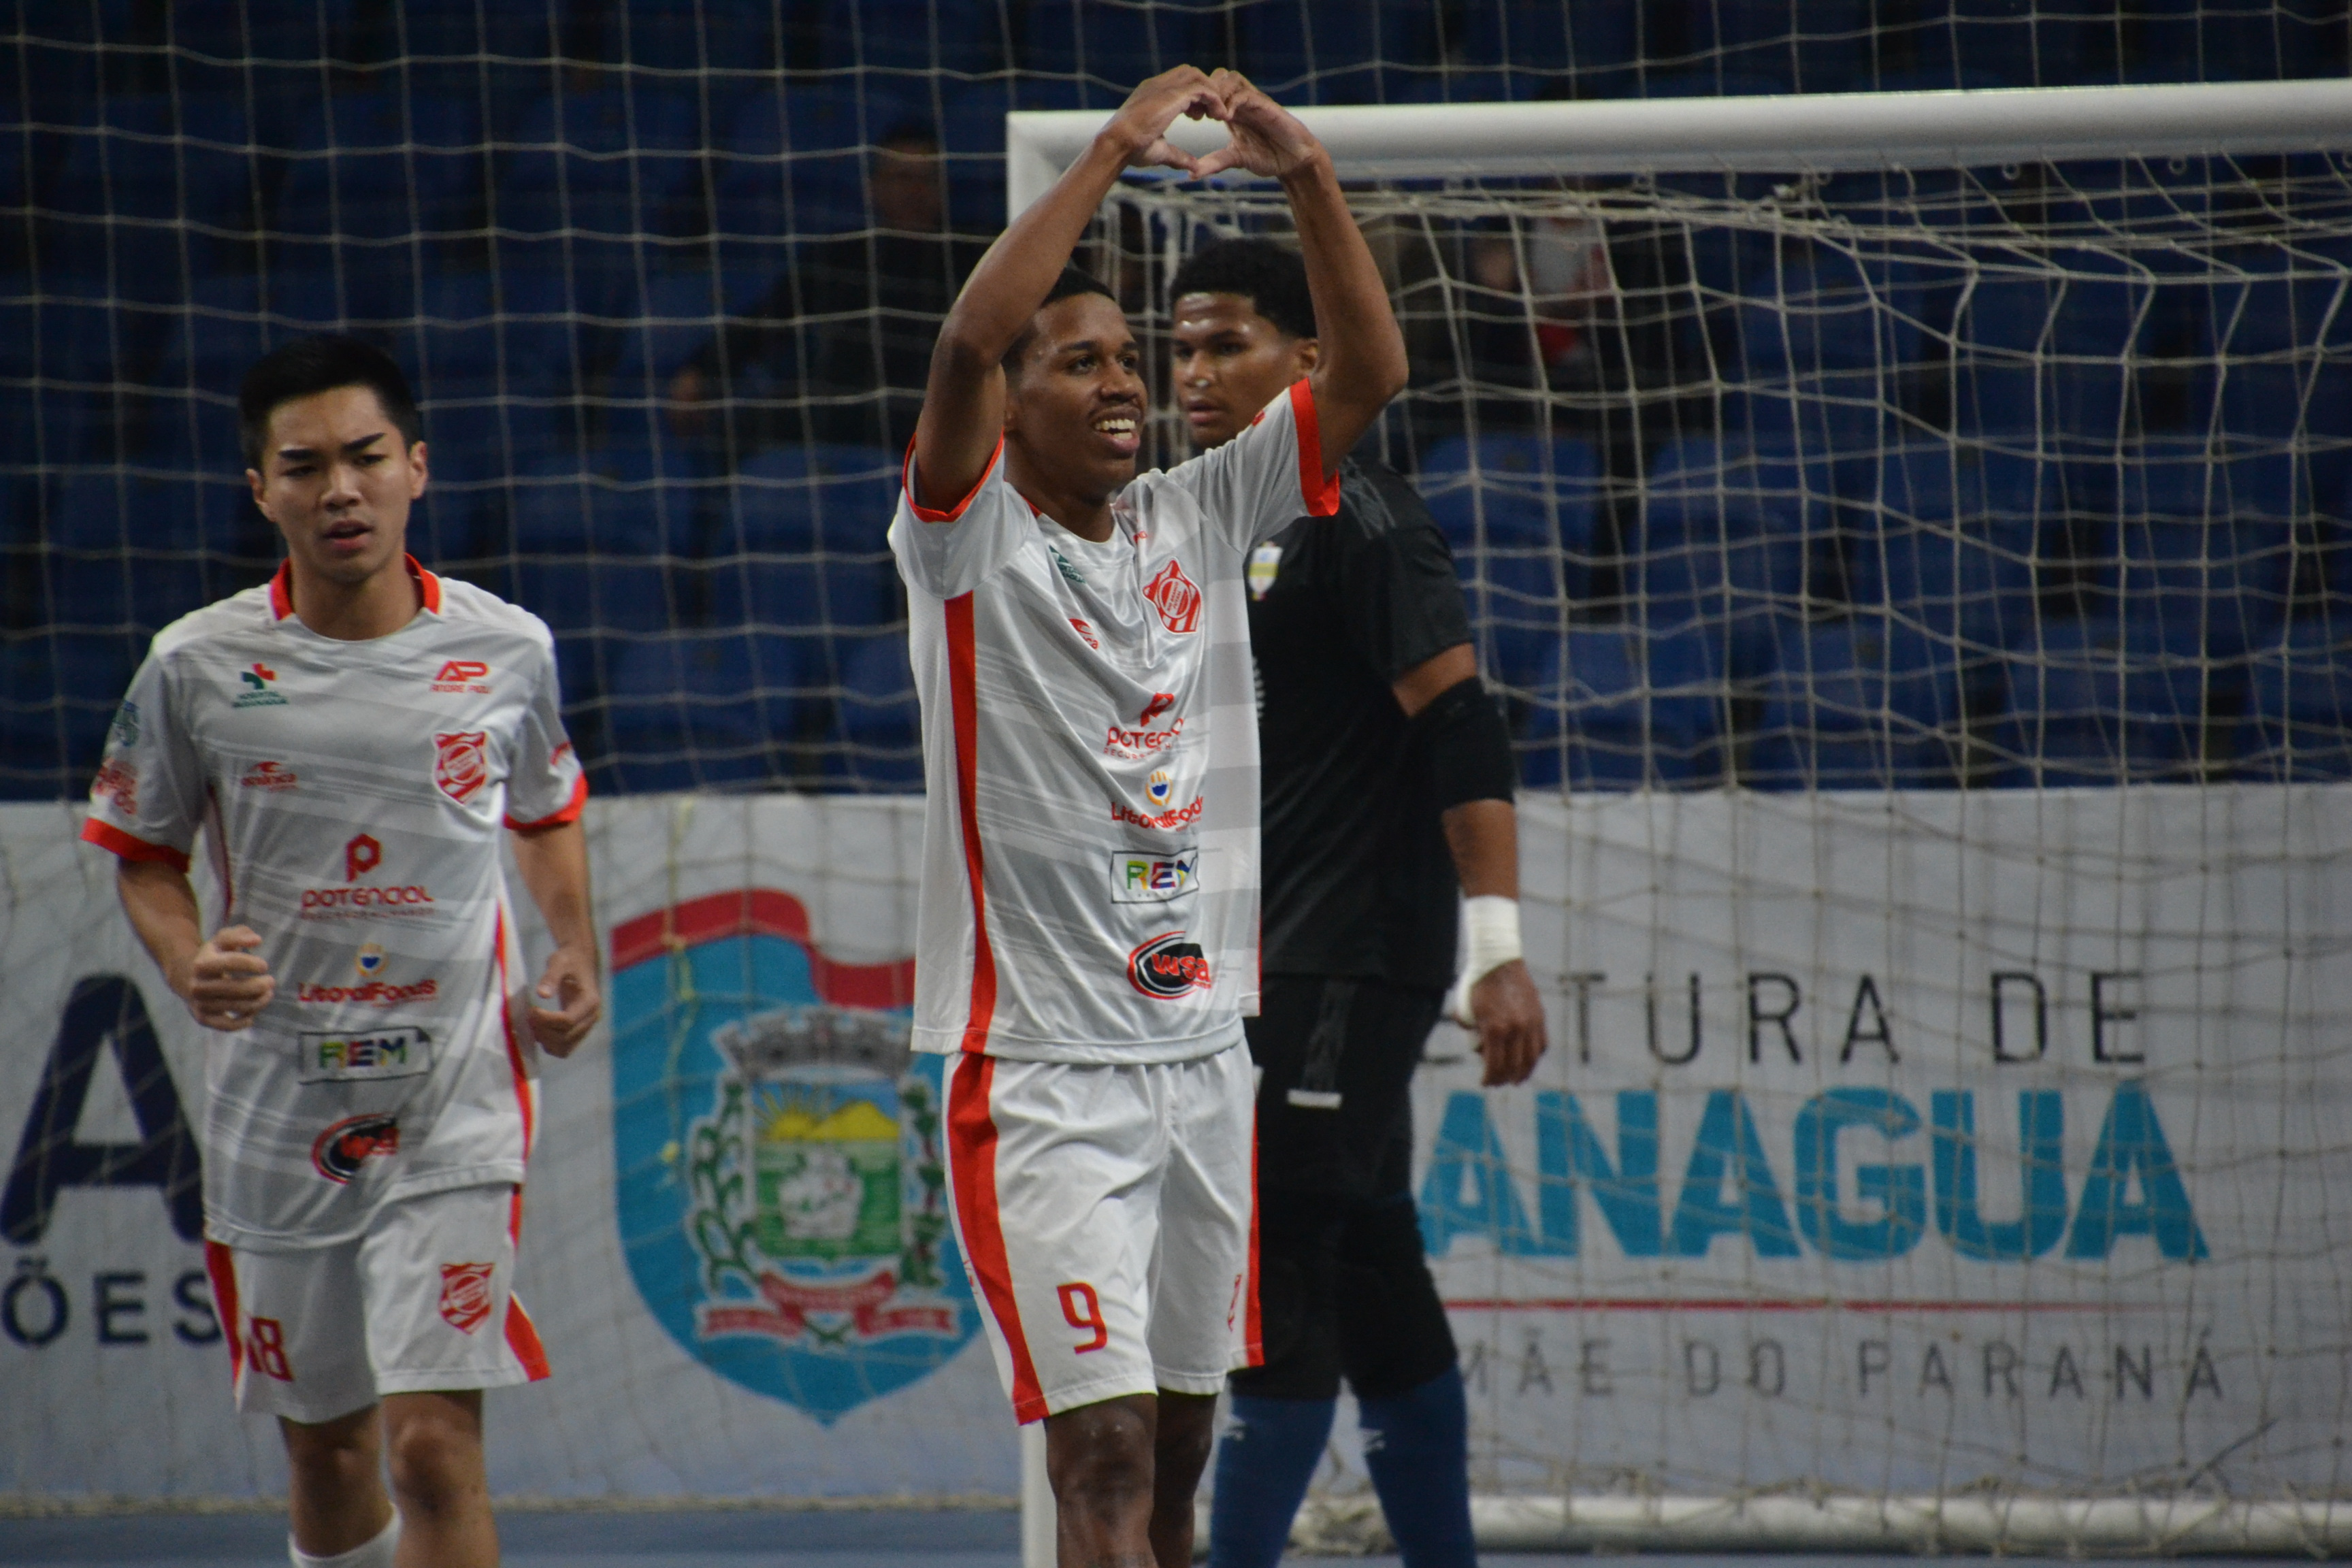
[[434, 1442], [335, 1496], [1124, 1474]]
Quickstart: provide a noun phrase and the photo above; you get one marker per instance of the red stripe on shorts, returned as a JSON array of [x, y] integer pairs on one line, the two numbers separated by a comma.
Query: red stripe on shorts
[[221, 1265], [964, 686], [514, 1046], [523, 1335], [971, 1149], [1253, 1335]]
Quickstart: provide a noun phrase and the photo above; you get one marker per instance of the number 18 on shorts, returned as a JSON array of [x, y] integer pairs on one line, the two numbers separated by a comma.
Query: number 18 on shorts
[[1108, 1218]]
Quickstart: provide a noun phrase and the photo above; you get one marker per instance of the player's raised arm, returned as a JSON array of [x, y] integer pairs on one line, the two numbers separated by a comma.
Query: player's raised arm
[[964, 405], [1364, 360]]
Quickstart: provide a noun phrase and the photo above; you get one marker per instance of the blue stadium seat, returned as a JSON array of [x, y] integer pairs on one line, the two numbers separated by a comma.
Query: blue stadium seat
[[597, 174], [2298, 720], [1530, 44], [675, 315], [2101, 702], [2024, 45], [794, 165], [912, 35], [1621, 709], [1109, 48], [31, 746], [384, 166], [1339, 51], [1865, 703], [877, 716], [1803, 46], [2203, 544], [699, 709], [1519, 513], [1735, 536], [1949, 539], [2050, 352], [660, 34]]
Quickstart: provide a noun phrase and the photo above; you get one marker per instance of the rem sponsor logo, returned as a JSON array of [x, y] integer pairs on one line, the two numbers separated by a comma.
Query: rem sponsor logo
[[1177, 599], [1176, 816], [270, 775], [357, 1055], [1147, 878], [260, 682], [342, 1149], [371, 993], [463, 675], [118, 780], [1133, 743], [1168, 967]]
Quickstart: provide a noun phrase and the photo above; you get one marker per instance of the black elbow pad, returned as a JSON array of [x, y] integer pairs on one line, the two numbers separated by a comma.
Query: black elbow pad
[[1469, 748]]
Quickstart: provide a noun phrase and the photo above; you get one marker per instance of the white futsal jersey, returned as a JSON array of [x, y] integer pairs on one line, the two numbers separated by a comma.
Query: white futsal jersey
[[1090, 844], [353, 795]]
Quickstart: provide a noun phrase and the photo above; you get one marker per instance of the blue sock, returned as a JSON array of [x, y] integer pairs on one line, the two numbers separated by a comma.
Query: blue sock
[[1264, 1462], [1417, 1446]]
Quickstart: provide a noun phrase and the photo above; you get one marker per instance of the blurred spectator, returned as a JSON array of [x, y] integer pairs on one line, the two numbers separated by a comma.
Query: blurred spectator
[[1541, 289], [839, 349]]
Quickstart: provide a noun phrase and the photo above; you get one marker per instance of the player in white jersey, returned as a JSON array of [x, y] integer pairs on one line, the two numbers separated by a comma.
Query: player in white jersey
[[1088, 917], [354, 738]]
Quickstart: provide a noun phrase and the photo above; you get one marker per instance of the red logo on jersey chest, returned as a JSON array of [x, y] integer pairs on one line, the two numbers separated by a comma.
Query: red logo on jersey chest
[[460, 764], [465, 1295], [462, 675], [1176, 597]]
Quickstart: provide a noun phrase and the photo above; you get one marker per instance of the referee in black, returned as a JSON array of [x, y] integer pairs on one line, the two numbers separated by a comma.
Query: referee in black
[[1387, 782]]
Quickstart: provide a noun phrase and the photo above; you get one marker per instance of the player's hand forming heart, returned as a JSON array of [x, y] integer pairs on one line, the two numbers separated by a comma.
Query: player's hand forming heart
[[1142, 121], [1511, 1023], [1267, 139], [570, 982], [226, 981]]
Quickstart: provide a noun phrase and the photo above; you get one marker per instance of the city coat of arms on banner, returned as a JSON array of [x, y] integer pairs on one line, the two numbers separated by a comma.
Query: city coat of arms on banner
[[782, 1199]]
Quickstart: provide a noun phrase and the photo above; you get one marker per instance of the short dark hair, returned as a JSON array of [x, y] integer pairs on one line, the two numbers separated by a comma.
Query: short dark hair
[[1272, 278], [1074, 281], [307, 366]]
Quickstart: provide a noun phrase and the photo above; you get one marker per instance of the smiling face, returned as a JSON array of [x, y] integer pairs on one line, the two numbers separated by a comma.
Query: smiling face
[[1074, 401], [1228, 362], [337, 480]]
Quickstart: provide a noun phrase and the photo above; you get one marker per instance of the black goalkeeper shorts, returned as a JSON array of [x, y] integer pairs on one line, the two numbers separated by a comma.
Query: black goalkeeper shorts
[[1344, 1288]]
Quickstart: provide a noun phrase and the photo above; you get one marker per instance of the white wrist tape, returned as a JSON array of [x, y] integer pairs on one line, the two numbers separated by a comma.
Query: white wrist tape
[[1492, 927]]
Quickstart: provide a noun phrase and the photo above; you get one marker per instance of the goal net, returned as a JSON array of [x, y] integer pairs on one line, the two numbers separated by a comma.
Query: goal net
[[1919, 597]]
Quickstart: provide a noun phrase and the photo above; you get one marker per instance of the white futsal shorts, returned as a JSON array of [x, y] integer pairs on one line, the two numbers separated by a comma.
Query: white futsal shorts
[[423, 1303], [1108, 1219]]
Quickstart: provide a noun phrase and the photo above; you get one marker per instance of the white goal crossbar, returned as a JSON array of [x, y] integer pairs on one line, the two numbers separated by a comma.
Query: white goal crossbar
[[1818, 131]]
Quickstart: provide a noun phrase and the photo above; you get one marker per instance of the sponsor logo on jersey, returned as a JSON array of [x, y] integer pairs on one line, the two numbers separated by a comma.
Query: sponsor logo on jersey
[[1168, 967], [1160, 786], [1069, 573], [1153, 879], [463, 675], [1160, 702], [369, 960], [327, 903], [124, 731], [270, 775], [341, 1148], [1132, 744], [1086, 632], [460, 765], [1176, 597], [374, 993], [257, 680], [1264, 562], [1176, 816], [362, 855], [118, 780], [347, 1056], [466, 1295]]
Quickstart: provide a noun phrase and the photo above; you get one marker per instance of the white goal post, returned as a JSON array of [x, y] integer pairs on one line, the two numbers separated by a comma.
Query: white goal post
[[1462, 144]]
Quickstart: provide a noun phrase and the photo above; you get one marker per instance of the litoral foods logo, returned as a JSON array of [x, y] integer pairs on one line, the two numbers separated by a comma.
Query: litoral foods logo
[[259, 681]]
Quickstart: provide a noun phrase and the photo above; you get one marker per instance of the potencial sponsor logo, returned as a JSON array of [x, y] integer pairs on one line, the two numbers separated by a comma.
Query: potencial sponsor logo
[[118, 780], [1177, 599], [1176, 816], [362, 1055], [463, 675], [1160, 786], [1168, 967], [391, 899], [341, 1149], [1147, 878], [258, 680], [461, 763], [270, 775], [371, 993], [1160, 702], [1131, 743], [361, 854]]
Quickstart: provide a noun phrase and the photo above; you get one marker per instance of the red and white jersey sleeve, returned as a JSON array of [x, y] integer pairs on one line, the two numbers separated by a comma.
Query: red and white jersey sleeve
[[1089, 889], [353, 797]]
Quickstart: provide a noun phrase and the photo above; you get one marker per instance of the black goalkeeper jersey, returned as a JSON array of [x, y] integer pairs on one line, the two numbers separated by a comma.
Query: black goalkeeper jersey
[[1357, 879]]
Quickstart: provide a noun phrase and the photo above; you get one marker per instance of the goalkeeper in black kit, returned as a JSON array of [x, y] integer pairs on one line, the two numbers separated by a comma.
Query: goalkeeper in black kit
[[1386, 785]]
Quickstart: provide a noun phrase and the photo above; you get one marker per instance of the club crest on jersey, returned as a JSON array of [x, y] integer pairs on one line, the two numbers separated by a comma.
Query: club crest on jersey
[[463, 675], [1176, 597], [466, 1295], [341, 1149], [259, 681], [1168, 967], [792, 1235], [1264, 562], [461, 764]]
